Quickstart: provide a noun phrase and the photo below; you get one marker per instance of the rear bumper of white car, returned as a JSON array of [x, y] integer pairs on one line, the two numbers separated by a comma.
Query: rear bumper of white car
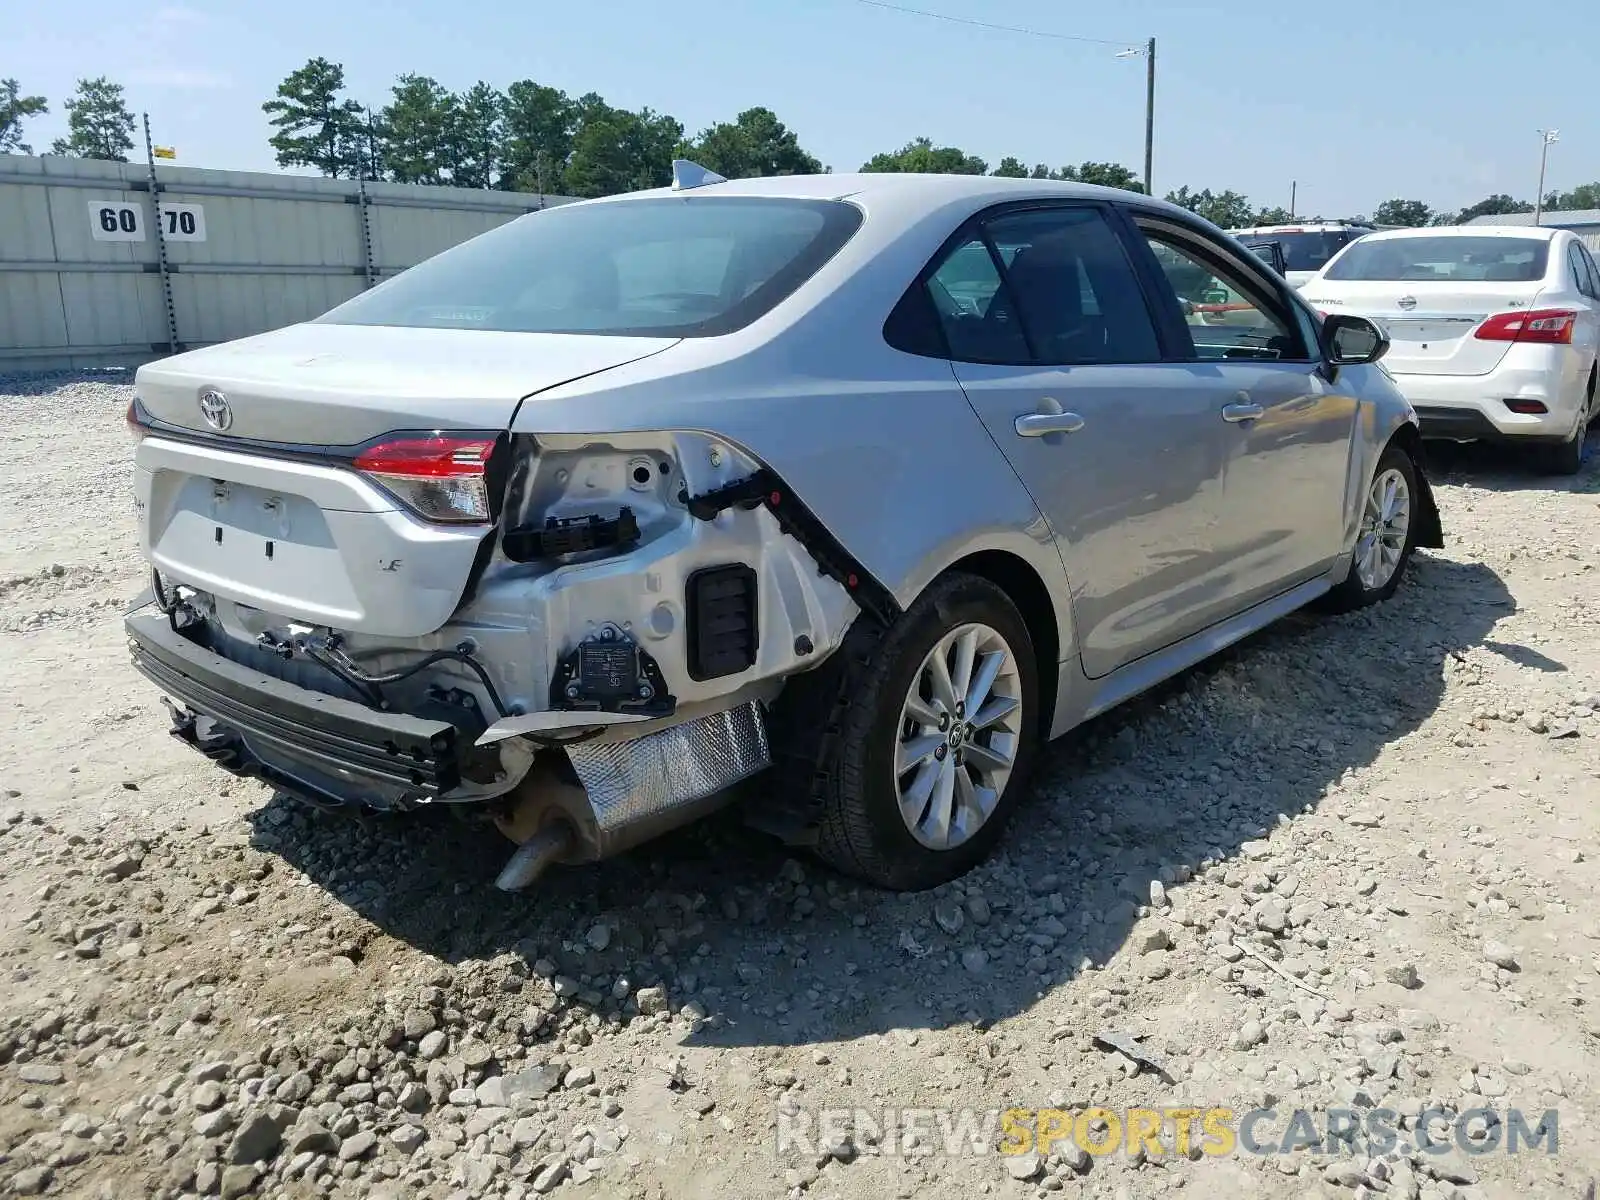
[[1483, 407]]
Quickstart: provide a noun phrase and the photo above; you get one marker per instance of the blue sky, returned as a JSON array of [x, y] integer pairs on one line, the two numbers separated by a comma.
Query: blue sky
[[1432, 101]]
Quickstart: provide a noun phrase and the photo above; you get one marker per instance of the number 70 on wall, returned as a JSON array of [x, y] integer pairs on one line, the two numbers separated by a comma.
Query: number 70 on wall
[[124, 221]]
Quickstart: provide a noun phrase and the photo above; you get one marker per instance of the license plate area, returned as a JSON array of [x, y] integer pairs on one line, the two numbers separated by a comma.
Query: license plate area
[[247, 518], [1426, 331], [261, 546], [1426, 341]]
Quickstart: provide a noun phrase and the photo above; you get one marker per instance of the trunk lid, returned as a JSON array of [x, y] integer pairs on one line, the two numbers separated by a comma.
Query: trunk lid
[[338, 385], [1430, 325], [312, 540]]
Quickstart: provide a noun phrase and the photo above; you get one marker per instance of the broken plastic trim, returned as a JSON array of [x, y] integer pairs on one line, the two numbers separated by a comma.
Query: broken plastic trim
[[544, 727], [571, 535], [765, 489]]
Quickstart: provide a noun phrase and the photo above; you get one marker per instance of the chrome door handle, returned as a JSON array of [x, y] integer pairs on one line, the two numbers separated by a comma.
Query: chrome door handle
[[1241, 412], [1043, 424]]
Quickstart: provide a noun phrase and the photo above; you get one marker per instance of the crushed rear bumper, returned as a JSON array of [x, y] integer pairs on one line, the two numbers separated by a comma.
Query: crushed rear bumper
[[321, 748]]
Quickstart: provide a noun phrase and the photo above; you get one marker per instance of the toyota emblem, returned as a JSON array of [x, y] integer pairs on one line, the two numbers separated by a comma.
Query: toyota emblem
[[1407, 302], [215, 409]]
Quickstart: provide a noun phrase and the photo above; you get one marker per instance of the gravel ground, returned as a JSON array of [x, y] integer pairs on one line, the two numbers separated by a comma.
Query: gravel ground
[[1352, 864]]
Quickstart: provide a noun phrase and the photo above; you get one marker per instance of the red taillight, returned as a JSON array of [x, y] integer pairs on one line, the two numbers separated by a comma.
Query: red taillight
[[1543, 326], [1528, 408], [441, 478], [136, 427]]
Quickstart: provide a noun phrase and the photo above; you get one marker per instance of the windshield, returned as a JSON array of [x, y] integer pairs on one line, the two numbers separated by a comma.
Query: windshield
[[657, 267], [1445, 259], [1311, 251]]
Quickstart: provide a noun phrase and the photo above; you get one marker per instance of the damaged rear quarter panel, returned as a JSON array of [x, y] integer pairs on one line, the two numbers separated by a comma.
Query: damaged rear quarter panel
[[881, 446]]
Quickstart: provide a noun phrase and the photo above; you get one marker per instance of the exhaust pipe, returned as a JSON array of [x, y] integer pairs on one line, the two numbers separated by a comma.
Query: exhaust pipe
[[534, 856], [626, 791]]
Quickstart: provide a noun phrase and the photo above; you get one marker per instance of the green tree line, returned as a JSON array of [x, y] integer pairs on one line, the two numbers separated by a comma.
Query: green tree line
[[535, 138]]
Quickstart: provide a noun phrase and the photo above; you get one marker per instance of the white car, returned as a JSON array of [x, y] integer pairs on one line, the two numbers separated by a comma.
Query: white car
[[1495, 330], [1306, 248]]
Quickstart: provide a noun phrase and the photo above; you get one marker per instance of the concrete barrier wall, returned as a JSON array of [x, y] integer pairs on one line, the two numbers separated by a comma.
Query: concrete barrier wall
[[81, 279]]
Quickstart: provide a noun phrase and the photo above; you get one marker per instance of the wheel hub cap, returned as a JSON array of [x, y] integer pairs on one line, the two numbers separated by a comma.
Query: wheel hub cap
[[959, 731]]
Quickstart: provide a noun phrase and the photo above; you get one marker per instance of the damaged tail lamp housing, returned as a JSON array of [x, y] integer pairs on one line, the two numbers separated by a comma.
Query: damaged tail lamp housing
[[439, 477]]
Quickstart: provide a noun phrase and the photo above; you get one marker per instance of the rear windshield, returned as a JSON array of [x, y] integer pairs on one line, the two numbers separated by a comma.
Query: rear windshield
[[1311, 251], [675, 266], [1446, 259]]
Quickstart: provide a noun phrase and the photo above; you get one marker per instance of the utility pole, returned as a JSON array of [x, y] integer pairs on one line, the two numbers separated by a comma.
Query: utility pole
[[1148, 52], [1149, 113], [1547, 138], [1294, 189]]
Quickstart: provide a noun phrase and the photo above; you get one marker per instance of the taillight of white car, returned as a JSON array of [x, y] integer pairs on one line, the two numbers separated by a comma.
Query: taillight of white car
[[439, 478], [1540, 326], [136, 428]]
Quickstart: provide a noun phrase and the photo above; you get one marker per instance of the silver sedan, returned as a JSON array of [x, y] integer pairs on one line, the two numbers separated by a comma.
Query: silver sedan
[[865, 484]]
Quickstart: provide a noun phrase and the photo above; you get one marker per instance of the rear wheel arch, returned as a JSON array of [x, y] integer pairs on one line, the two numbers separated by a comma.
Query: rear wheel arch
[[1020, 582], [1430, 530], [812, 719]]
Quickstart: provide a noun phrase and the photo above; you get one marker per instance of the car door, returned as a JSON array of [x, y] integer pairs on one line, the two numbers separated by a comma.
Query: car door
[[1050, 334], [1287, 428]]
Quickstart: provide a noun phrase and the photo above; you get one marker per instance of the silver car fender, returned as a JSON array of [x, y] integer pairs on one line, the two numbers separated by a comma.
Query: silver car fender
[[1383, 416]]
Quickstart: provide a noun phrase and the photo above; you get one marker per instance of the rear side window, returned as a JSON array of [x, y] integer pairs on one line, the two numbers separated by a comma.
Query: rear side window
[[1042, 286], [681, 266], [1310, 251], [978, 322], [1577, 262], [1069, 279], [1444, 260], [1594, 271]]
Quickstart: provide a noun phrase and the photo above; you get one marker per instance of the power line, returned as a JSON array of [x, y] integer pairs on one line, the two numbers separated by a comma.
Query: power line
[[1039, 33]]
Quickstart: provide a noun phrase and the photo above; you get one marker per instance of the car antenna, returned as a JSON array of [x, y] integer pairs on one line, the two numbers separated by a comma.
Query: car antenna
[[686, 175]]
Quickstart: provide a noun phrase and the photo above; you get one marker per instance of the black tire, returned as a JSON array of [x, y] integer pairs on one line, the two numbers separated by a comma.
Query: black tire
[[835, 731], [1563, 458], [1351, 593]]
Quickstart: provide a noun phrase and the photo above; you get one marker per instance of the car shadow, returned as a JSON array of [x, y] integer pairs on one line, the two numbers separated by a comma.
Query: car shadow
[[780, 950], [1499, 468]]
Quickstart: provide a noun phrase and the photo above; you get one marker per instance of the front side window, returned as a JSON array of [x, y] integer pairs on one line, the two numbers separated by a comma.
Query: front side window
[[681, 266], [1443, 259], [1228, 315]]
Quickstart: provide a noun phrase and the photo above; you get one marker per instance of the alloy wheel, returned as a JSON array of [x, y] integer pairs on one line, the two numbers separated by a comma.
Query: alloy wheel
[[959, 731], [1385, 523]]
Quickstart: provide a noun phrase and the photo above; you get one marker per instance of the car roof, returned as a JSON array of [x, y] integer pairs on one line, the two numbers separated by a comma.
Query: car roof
[[1300, 227], [1512, 231], [866, 186]]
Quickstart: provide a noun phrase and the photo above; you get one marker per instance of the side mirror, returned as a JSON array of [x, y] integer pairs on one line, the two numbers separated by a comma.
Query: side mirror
[[1351, 340]]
